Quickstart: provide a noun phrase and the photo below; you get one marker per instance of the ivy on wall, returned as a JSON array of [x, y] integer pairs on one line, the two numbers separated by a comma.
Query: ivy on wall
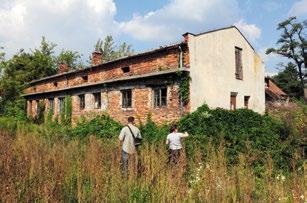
[[67, 111], [184, 87], [49, 116], [39, 119]]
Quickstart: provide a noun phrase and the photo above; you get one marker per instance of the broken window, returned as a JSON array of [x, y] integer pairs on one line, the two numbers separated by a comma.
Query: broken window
[[97, 98], [30, 107], [127, 98], [61, 104], [239, 66], [233, 101], [160, 97], [126, 69], [246, 99], [81, 101], [85, 78], [51, 105], [37, 109]]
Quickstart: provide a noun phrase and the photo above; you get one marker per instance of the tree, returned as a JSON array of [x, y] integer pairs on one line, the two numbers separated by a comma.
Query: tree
[[24, 67], [291, 44], [288, 80], [43, 60], [71, 58], [2, 54], [110, 50]]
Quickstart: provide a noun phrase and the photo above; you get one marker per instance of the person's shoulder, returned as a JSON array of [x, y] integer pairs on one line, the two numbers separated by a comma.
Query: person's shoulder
[[134, 127], [178, 134], [125, 128], [169, 135]]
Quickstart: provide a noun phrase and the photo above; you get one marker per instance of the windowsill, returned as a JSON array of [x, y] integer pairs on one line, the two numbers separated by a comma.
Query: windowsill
[[127, 109], [238, 77], [159, 107]]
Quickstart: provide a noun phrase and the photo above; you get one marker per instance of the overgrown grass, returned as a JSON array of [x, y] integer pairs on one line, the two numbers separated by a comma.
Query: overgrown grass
[[35, 169], [230, 157]]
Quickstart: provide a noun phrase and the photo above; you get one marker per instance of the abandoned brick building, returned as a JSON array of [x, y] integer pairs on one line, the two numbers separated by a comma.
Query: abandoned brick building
[[222, 67]]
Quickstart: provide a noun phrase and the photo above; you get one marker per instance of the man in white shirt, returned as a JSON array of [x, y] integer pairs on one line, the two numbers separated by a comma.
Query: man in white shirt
[[127, 141], [174, 141]]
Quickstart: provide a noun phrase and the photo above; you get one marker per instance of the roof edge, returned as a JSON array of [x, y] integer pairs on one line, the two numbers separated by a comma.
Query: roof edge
[[161, 48], [134, 77], [223, 28]]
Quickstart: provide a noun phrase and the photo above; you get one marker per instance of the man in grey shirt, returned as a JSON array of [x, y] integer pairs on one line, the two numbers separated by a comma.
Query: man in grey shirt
[[128, 145]]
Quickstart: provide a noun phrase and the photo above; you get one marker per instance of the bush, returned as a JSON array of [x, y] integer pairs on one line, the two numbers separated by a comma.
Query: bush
[[242, 131], [103, 126]]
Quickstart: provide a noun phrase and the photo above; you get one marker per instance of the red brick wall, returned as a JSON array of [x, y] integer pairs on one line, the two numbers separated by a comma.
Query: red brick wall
[[142, 96], [164, 60], [142, 105]]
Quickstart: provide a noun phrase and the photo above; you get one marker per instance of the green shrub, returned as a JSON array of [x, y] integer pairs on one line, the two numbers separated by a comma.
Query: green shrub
[[240, 131], [103, 126], [243, 131], [152, 132], [15, 109], [66, 114]]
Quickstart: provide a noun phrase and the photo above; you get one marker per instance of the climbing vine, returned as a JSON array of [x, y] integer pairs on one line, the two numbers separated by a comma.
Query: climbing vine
[[184, 87], [39, 119], [49, 116], [67, 111]]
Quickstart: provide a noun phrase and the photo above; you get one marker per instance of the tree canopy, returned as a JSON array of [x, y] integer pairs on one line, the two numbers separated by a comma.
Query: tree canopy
[[110, 50], [24, 67], [291, 45], [288, 80], [43, 61]]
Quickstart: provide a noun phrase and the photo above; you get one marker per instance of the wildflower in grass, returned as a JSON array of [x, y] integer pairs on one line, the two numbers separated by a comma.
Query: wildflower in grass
[[302, 197]]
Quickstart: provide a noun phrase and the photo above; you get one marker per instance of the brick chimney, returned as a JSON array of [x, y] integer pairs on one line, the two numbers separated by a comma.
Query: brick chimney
[[186, 37], [63, 67], [96, 58]]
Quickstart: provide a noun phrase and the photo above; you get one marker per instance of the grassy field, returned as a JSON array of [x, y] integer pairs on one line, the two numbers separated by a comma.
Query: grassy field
[[43, 164]]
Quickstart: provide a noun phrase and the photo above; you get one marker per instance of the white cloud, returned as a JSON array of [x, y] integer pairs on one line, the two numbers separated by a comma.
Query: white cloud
[[77, 24], [180, 16], [270, 74], [73, 24], [299, 8], [251, 31]]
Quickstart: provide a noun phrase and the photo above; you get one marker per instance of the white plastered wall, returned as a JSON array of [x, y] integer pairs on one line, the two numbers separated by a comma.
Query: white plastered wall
[[212, 62]]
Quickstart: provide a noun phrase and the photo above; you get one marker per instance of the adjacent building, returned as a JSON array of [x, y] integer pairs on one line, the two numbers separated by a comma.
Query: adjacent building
[[273, 93], [219, 68]]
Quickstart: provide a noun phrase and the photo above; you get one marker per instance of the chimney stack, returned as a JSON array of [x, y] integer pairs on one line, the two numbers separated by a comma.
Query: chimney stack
[[63, 67], [186, 37], [96, 58]]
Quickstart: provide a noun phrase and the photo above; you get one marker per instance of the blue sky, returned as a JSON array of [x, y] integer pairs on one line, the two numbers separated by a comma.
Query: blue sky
[[77, 24]]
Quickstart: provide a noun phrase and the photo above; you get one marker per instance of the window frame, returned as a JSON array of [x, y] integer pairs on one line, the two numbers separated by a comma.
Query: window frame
[[233, 104], [158, 97], [61, 108], [238, 63], [81, 98], [51, 107], [125, 69], [126, 102], [97, 95], [246, 101], [85, 78], [37, 109]]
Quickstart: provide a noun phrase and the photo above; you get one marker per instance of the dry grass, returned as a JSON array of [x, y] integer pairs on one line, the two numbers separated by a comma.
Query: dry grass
[[34, 169]]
